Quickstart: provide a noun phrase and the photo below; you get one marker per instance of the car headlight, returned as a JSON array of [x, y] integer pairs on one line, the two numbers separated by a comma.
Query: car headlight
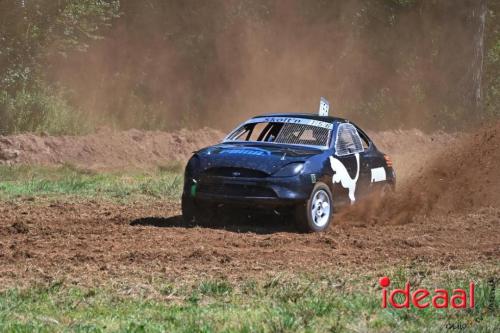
[[289, 170]]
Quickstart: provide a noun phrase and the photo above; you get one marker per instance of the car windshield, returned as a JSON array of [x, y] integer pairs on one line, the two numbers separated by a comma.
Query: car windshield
[[293, 131]]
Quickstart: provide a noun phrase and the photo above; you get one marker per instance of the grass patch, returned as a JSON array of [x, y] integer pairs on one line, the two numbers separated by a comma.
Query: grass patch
[[172, 167], [26, 181], [300, 304], [215, 288]]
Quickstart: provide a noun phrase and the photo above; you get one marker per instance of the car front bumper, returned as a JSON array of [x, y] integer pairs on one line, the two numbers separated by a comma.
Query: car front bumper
[[273, 191]]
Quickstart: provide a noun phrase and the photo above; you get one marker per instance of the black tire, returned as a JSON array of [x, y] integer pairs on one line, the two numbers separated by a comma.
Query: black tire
[[311, 219], [188, 210], [196, 213]]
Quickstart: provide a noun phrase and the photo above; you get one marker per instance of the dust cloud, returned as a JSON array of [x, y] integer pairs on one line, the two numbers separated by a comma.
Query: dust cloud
[[459, 176], [171, 64]]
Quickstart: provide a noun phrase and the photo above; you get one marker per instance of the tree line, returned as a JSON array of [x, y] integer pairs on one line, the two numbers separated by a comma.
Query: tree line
[[71, 66]]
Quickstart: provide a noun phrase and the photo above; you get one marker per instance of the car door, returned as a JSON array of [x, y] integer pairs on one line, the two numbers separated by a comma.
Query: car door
[[348, 164], [370, 161], [374, 171]]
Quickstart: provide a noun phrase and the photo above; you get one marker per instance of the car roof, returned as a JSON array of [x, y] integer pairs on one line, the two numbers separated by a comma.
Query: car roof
[[305, 116]]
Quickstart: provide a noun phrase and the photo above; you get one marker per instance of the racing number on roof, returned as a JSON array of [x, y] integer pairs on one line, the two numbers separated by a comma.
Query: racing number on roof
[[348, 140]]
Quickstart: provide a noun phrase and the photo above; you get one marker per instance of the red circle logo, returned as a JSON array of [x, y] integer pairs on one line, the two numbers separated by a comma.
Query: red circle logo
[[384, 281]]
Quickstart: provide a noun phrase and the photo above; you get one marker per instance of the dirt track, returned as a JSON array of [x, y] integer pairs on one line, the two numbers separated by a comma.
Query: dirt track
[[91, 242], [88, 242]]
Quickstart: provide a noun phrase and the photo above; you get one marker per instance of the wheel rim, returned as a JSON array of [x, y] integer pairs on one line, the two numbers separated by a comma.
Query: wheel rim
[[320, 208]]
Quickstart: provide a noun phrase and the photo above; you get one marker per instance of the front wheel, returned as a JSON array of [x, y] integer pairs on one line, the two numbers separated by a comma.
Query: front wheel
[[317, 213], [200, 214]]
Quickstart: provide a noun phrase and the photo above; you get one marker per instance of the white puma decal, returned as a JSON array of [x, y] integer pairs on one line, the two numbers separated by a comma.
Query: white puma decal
[[341, 175]]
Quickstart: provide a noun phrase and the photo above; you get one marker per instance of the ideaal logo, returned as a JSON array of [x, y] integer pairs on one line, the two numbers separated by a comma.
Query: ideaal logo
[[423, 298]]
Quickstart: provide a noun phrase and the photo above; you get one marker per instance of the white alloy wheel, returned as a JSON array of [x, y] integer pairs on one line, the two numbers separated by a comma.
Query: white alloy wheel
[[320, 208]]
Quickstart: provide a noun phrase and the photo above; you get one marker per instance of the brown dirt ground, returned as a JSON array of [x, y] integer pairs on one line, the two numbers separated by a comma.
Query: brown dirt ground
[[92, 242]]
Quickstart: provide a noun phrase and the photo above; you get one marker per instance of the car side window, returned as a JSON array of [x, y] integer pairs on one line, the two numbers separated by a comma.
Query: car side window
[[364, 140], [348, 140]]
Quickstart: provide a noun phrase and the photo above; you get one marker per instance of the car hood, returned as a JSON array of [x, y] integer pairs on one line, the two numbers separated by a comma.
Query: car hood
[[267, 158]]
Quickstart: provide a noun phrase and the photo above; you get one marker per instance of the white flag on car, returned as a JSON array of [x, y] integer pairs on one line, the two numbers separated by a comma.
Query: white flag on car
[[324, 107]]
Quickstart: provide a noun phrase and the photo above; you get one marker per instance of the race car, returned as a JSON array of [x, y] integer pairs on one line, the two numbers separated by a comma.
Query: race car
[[304, 164]]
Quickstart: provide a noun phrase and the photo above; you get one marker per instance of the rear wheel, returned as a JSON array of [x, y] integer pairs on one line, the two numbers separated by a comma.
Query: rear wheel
[[317, 213]]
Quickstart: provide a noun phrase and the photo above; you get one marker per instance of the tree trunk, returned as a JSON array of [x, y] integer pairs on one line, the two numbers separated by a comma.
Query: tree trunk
[[479, 16]]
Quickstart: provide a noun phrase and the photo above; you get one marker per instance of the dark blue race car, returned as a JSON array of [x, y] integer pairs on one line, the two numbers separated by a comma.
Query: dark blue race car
[[302, 164]]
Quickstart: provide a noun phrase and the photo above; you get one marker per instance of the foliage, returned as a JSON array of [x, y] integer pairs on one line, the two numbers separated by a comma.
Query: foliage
[[492, 64], [39, 110], [31, 32], [167, 64]]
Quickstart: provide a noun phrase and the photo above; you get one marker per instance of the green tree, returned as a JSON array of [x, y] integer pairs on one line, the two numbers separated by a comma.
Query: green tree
[[31, 31], [491, 80]]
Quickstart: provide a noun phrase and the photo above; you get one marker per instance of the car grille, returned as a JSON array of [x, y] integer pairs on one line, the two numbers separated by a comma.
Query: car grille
[[235, 172], [236, 190]]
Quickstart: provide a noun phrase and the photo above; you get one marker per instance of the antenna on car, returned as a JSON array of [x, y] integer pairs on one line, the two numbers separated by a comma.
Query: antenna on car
[[324, 107]]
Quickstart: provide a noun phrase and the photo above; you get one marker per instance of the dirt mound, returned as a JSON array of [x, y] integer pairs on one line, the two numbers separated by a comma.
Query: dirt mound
[[106, 149], [144, 149], [462, 178]]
